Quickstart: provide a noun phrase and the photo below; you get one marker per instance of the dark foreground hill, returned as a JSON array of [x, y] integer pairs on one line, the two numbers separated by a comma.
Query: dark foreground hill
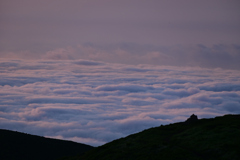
[[21, 146], [204, 139]]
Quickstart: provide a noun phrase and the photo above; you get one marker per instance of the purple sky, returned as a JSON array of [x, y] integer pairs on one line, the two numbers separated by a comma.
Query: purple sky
[[42, 26], [96, 70]]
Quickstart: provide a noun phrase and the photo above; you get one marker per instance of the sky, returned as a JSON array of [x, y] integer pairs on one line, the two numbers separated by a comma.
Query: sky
[[93, 71], [127, 31]]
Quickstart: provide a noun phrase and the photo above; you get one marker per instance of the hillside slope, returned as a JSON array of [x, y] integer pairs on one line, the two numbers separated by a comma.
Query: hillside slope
[[216, 138], [21, 146]]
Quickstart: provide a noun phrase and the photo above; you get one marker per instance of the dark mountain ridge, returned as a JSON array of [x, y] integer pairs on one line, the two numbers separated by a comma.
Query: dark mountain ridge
[[21, 146], [195, 139]]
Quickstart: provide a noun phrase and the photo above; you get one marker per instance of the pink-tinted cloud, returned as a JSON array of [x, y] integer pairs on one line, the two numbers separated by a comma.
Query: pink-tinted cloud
[[96, 102]]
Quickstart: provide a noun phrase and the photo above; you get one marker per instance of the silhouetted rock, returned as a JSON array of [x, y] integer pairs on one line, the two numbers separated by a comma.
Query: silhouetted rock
[[192, 118]]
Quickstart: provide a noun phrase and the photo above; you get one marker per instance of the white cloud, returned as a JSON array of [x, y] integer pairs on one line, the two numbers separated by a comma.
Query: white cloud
[[95, 102]]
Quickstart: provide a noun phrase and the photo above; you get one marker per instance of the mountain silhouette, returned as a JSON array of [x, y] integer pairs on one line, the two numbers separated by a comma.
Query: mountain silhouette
[[195, 139], [21, 146]]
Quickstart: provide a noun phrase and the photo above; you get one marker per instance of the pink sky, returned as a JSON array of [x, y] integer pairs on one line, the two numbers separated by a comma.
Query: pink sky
[[47, 24]]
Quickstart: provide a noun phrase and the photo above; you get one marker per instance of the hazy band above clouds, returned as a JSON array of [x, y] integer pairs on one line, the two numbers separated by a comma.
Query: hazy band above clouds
[[212, 56]]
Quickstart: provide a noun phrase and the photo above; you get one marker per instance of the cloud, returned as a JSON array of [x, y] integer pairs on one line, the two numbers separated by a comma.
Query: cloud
[[223, 56], [231, 106], [60, 54], [209, 56], [95, 102], [124, 87], [64, 100], [181, 92], [219, 87], [88, 63]]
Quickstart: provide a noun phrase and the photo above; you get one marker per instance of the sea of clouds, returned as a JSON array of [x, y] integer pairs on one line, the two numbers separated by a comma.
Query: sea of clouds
[[96, 102]]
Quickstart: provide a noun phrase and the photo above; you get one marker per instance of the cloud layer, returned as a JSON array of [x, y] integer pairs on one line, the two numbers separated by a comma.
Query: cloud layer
[[96, 102]]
